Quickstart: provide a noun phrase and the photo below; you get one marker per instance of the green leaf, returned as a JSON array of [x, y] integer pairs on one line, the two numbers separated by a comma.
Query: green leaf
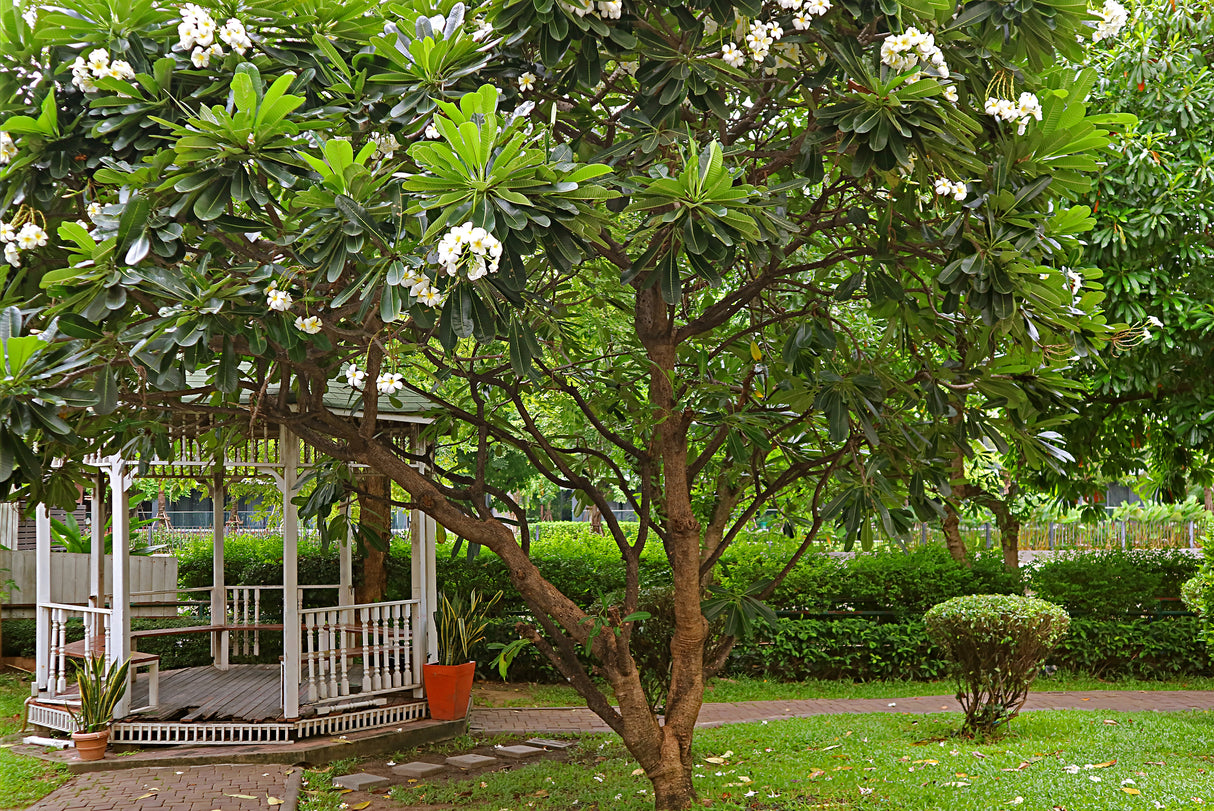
[[107, 391]]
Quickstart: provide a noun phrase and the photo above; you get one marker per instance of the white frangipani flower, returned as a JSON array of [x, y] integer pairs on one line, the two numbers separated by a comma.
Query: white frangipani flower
[[311, 325], [12, 255], [469, 247], [432, 132], [279, 300], [526, 82], [390, 382], [950, 93], [914, 49], [385, 144], [8, 148], [31, 236], [7, 232], [1113, 18], [355, 377], [732, 55]]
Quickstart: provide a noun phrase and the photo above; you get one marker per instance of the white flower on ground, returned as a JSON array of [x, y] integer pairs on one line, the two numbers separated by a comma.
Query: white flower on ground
[[1113, 18], [11, 255], [732, 55], [8, 148], [390, 382], [31, 236], [310, 325], [355, 377], [526, 82], [279, 300]]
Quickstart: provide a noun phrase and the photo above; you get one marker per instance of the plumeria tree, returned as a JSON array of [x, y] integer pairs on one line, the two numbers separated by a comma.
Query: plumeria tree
[[756, 249]]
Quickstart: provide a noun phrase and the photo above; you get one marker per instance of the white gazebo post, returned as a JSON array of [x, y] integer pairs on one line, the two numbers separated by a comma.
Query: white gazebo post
[[42, 590], [423, 535], [120, 619], [97, 551], [288, 455], [219, 597]]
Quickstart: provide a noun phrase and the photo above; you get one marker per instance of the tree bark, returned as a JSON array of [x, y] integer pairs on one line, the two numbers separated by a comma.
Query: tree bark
[[1009, 531], [952, 535], [1209, 493], [375, 512]]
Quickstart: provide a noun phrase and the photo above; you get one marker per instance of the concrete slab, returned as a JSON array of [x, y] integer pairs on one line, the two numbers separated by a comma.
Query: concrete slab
[[551, 743], [470, 761], [519, 752], [361, 781], [418, 769]]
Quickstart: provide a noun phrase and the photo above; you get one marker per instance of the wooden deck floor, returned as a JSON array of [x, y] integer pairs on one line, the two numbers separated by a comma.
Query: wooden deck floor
[[241, 694]]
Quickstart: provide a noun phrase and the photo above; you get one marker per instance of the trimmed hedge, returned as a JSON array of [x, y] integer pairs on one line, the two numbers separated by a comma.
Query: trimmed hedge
[[1110, 584]]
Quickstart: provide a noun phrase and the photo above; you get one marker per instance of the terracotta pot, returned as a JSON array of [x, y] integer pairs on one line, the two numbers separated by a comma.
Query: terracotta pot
[[91, 745], [448, 690]]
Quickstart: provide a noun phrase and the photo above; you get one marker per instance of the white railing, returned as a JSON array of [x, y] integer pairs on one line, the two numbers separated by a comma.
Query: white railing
[[374, 640], [97, 638]]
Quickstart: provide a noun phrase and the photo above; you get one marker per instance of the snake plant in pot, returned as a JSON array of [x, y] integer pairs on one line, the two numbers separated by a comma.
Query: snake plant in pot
[[101, 688], [461, 623]]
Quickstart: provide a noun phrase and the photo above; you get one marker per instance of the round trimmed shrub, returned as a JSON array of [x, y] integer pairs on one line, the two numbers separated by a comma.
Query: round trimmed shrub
[[995, 644]]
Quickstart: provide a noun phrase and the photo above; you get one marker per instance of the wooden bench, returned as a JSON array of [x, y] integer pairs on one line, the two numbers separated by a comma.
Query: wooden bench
[[76, 650]]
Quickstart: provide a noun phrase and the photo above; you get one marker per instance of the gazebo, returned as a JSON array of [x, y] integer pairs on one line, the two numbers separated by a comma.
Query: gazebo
[[344, 666]]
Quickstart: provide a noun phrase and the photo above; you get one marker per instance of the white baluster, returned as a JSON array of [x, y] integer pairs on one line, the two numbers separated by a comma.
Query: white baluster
[[331, 633], [377, 617], [107, 622], [245, 642], [61, 617], [368, 669], [256, 621], [398, 647], [343, 638], [309, 629], [393, 674]]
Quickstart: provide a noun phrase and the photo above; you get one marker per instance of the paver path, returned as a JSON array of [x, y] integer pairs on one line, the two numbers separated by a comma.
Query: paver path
[[189, 788], [580, 719]]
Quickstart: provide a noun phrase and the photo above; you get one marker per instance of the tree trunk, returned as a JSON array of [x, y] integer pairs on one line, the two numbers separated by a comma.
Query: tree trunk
[[375, 511], [596, 520], [1009, 532], [162, 509], [672, 786], [1210, 499], [952, 536]]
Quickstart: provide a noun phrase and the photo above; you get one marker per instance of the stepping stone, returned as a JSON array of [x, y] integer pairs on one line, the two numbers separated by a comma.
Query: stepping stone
[[418, 769], [466, 762], [549, 743], [519, 752], [361, 781]]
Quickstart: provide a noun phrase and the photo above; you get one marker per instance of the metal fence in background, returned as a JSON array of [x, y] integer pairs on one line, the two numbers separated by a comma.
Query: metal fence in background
[[1058, 536]]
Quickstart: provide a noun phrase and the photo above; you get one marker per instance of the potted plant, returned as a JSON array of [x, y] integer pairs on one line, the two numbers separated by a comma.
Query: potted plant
[[461, 625], [100, 690]]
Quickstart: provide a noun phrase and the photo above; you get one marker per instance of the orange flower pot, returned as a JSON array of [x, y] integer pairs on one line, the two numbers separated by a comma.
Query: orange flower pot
[[448, 690], [91, 745]]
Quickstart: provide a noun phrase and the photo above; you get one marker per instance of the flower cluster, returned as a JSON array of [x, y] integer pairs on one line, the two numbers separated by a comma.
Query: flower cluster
[[805, 10], [955, 189], [1023, 110], [197, 33], [1113, 18], [421, 289], [86, 72], [471, 247], [310, 325], [607, 9], [914, 50], [8, 148], [278, 300], [29, 237]]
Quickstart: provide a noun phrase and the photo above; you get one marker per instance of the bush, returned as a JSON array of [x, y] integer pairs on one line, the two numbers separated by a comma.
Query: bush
[[914, 581], [1138, 648], [1112, 583], [852, 648], [996, 644]]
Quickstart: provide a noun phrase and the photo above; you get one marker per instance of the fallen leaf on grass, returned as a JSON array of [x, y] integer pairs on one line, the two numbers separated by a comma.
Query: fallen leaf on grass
[[541, 793], [1110, 722], [828, 748], [1129, 790], [815, 774], [1155, 763], [929, 762], [636, 772], [1104, 765], [717, 760], [957, 783]]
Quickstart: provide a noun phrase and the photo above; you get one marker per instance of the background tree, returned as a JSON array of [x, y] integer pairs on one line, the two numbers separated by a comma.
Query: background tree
[[662, 218]]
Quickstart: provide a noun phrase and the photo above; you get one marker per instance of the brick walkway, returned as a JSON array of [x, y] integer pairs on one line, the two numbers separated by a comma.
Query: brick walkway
[[575, 719], [189, 788]]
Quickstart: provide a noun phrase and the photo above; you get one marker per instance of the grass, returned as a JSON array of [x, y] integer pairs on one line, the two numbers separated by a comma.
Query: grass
[[23, 780], [1050, 760], [747, 689]]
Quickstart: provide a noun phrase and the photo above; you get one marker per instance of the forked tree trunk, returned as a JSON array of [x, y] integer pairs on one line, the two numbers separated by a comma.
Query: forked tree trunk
[[375, 511]]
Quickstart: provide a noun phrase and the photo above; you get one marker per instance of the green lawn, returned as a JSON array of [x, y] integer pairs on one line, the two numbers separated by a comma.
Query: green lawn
[[23, 780], [745, 689], [1075, 760]]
